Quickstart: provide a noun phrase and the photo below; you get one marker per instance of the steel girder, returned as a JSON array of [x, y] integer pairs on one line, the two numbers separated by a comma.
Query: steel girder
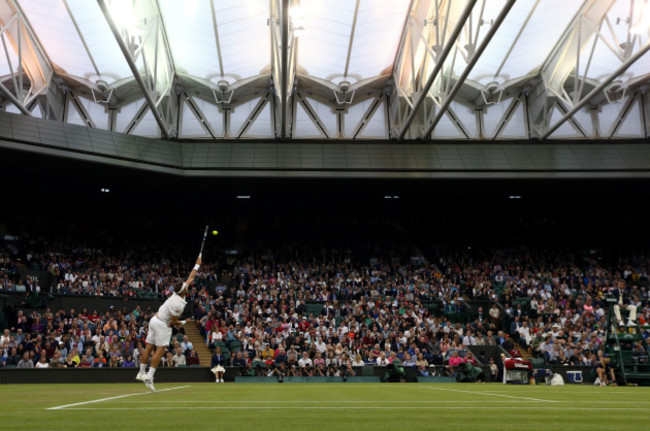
[[474, 57], [447, 23], [562, 63], [146, 51], [283, 65]]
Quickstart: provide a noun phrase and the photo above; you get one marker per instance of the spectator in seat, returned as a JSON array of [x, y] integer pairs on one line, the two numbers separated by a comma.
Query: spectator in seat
[[42, 362], [179, 358], [85, 362], [358, 361], [240, 362], [306, 365], [423, 371], [292, 365], [193, 358], [495, 315], [454, 363], [319, 365]]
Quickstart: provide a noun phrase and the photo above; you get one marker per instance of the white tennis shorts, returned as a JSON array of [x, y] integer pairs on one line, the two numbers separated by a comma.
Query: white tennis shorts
[[159, 333]]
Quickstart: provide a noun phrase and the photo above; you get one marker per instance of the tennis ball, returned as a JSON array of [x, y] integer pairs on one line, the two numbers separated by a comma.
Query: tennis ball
[[214, 232]]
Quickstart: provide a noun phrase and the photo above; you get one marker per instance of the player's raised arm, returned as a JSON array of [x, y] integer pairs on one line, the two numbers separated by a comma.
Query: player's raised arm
[[190, 279]]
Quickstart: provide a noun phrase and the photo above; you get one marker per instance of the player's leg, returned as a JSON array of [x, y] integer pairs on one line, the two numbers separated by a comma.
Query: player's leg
[[157, 356], [155, 361], [151, 344], [161, 338], [144, 357]]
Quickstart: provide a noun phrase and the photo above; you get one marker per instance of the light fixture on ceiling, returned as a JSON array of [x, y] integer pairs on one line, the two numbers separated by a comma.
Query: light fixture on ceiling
[[343, 95], [492, 93], [642, 25]]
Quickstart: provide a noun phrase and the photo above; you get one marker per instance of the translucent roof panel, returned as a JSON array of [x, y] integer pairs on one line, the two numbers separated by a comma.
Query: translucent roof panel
[[5, 61], [100, 40], [244, 37], [191, 36], [539, 36], [376, 36], [323, 42], [56, 32], [484, 70], [326, 30]]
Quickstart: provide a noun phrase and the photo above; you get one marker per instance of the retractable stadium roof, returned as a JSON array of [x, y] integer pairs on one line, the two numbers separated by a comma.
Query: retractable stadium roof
[[331, 69]]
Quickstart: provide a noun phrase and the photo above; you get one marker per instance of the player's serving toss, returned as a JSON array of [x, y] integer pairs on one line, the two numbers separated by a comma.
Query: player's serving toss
[[160, 325]]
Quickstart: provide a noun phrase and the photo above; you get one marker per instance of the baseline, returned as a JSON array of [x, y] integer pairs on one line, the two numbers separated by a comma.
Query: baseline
[[112, 398]]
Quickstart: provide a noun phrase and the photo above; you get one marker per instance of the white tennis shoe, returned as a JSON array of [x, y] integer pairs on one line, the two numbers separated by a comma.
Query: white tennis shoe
[[140, 376], [148, 381]]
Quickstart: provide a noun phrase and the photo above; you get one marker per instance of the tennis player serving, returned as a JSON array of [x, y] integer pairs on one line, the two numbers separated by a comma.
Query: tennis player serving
[[160, 328]]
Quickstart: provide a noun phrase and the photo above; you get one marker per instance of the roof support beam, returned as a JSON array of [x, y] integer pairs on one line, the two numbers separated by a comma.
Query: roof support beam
[[470, 65], [283, 63], [563, 62], [216, 35], [9, 95], [351, 42], [440, 60], [146, 51], [598, 89], [33, 63], [312, 114]]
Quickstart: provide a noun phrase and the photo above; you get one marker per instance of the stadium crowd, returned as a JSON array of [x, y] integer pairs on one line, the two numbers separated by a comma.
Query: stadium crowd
[[264, 319], [70, 339]]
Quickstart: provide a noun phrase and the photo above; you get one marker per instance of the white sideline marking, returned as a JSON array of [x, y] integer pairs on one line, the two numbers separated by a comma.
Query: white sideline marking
[[381, 402], [113, 398], [333, 402], [488, 393], [144, 408]]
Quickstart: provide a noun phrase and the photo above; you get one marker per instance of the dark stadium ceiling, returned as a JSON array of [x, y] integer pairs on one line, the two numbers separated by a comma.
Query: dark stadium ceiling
[[337, 69]]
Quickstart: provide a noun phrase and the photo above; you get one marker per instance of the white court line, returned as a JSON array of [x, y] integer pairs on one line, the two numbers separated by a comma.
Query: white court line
[[334, 402], [487, 393], [113, 398], [383, 402], [356, 408]]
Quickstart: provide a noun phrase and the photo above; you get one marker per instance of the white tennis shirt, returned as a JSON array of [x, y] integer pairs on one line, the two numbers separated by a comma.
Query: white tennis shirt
[[173, 306]]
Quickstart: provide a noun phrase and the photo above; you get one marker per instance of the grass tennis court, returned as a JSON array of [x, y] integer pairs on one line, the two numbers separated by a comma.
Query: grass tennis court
[[349, 406]]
